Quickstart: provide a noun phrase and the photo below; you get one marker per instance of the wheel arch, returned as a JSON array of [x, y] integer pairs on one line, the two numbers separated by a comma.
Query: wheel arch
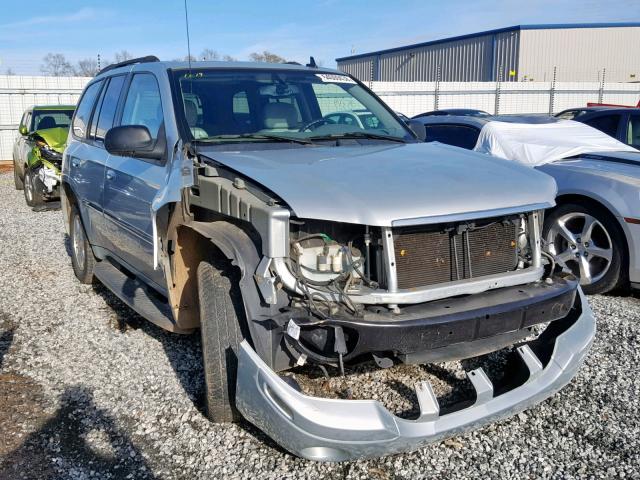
[[192, 242], [68, 199]]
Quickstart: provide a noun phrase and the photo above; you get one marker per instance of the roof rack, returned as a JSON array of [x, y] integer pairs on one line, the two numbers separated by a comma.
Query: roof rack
[[132, 61]]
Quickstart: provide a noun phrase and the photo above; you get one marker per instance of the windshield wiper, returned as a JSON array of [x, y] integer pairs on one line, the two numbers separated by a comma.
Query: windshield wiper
[[356, 135], [255, 136]]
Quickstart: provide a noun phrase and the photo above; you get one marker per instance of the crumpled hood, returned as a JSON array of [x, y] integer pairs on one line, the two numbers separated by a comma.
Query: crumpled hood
[[383, 185], [56, 138]]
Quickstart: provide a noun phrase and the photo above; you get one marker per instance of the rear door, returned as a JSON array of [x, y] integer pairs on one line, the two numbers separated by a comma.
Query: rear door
[[131, 184], [84, 164], [20, 146]]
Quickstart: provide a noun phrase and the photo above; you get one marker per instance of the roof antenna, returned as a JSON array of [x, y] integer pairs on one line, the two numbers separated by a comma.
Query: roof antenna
[[186, 21], [312, 62]]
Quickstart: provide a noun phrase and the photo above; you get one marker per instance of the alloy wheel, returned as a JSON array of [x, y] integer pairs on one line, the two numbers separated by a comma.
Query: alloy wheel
[[78, 241], [28, 186], [581, 243]]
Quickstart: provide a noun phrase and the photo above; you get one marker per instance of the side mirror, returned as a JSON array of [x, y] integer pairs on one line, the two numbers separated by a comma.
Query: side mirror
[[133, 141], [418, 128], [23, 130]]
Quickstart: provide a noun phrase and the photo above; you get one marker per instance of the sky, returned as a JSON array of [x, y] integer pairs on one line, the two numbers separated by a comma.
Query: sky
[[294, 29]]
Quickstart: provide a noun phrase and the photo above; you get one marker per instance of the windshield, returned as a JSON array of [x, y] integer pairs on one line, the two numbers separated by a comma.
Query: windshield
[[260, 106], [43, 119]]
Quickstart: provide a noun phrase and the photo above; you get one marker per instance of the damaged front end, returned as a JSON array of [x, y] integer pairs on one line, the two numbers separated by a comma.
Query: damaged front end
[[338, 430], [424, 290], [45, 161]]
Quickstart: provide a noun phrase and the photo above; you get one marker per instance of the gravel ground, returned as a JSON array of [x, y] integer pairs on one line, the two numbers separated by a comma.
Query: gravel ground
[[90, 390]]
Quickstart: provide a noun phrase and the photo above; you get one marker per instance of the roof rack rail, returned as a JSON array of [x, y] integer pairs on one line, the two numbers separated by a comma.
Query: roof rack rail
[[132, 61]]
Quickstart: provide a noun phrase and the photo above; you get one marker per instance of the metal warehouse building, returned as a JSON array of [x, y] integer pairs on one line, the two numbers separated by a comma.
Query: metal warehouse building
[[578, 52]]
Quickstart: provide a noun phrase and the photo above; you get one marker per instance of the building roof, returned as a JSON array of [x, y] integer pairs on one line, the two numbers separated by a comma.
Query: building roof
[[514, 28]]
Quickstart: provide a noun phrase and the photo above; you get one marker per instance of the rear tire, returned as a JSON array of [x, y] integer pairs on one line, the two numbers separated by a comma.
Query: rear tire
[[82, 258], [605, 239], [221, 317], [17, 181], [32, 194]]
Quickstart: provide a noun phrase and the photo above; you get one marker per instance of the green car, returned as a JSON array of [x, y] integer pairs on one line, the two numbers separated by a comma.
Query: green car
[[37, 153]]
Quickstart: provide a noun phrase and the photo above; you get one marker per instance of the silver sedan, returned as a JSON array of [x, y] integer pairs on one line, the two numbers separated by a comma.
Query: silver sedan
[[595, 228]]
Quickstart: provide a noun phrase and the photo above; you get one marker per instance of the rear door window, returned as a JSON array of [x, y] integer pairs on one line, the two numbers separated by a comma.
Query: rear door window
[[108, 107], [143, 105], [456, 135], [606, 124], [85, 107]]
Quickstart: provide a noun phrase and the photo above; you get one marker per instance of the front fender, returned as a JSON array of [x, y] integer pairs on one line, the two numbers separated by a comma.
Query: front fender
[[237, 246]]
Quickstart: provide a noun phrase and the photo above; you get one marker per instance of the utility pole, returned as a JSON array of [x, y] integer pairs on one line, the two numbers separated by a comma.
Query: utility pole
[[497, 94], [436, 97], [601, 91], [99, 62], [552, 92]]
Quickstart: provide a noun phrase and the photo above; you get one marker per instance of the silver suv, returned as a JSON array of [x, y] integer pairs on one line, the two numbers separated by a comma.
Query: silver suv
[[227, 197]]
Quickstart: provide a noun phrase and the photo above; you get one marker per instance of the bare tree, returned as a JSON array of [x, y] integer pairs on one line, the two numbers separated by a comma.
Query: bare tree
[[228, 58], [87, 67], [122, 56], [266, 56], [208, 55], [56, 65], [188, 58], [9, 72]]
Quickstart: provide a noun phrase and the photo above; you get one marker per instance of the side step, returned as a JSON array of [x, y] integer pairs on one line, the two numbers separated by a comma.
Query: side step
[[137, 295]]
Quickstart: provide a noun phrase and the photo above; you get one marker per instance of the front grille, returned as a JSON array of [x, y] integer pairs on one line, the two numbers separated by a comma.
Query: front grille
[[427, 257]]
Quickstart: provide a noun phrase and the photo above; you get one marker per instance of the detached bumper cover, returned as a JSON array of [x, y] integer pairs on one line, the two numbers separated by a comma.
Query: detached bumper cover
[[338, 430]]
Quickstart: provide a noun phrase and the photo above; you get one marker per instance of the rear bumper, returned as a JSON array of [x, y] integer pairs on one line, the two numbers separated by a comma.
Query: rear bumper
[[337, 430]]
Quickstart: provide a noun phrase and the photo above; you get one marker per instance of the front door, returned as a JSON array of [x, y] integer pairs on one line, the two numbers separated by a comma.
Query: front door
[[131, 184]]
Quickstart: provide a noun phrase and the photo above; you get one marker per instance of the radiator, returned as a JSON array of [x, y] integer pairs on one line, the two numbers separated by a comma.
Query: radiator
[[425, 256]]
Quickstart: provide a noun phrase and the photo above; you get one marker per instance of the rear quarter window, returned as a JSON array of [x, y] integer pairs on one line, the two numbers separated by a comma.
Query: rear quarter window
[[456, 135], [606, 124]]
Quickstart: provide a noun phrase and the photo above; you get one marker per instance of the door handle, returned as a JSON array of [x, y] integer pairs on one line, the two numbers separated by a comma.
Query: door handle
[[110, 174], [75, 162]]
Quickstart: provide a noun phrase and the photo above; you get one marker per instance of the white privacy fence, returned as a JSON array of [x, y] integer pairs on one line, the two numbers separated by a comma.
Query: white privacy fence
[[412, 98], [17, 93]]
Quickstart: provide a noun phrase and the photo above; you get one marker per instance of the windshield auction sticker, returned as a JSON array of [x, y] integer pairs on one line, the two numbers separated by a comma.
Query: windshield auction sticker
[[334, 78]]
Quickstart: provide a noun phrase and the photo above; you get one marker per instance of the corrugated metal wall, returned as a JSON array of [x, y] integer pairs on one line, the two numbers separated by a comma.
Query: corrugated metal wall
[[361, 68], [17, 93], [580, 54], [473, 59]]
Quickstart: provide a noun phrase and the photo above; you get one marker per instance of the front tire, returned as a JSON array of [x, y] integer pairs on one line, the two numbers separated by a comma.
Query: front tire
[[82, 258], [32, 194], [221, 317], [588, 240], [17, 181]]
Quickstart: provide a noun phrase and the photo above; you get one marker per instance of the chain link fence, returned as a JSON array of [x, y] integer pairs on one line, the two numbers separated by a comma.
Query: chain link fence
[[412, 98]]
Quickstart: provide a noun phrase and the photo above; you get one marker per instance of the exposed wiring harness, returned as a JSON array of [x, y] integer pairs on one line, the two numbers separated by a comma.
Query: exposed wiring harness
[[322, 291]]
